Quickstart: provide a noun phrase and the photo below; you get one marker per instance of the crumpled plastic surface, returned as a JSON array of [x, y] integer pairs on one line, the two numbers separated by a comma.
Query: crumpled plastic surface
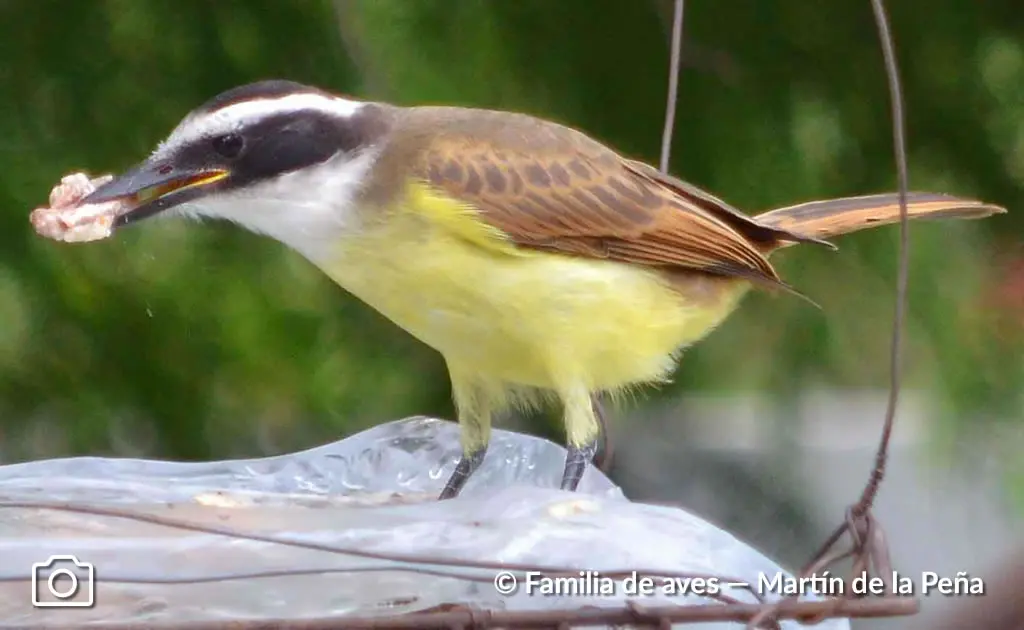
[[374, 491]]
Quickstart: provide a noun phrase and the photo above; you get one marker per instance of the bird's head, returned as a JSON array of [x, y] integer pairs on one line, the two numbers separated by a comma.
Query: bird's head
[[277, 157]]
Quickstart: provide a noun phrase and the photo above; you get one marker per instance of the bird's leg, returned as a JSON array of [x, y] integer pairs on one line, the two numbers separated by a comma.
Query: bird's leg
[[468, 463], [583, 430], [576, 461], [605, 452], [475, 431]]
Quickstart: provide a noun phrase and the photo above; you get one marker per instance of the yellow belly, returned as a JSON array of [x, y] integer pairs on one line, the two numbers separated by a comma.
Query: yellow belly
[[531, 319]]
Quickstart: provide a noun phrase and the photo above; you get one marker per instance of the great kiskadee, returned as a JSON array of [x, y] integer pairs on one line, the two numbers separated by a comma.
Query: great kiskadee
[[536, 260]]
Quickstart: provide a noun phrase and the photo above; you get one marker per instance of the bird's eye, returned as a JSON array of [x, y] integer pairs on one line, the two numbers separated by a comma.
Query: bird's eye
[[229, 145]]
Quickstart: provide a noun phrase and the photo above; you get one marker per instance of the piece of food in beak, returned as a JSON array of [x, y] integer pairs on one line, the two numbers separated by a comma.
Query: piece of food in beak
[[65, 220]]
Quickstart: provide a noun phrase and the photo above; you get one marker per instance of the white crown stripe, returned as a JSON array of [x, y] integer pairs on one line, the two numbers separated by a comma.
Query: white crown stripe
[[232, 117]]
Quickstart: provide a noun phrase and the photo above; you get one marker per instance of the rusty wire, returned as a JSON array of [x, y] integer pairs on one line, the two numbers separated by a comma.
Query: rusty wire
[[403, 558], [730, 608], [869, 550], [634, 615]]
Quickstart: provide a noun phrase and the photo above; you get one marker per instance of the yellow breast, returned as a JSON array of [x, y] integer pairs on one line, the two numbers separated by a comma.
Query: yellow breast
[[522, 316]]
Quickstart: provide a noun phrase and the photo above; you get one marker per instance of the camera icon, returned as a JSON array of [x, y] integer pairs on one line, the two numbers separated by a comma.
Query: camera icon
[[63, 582]]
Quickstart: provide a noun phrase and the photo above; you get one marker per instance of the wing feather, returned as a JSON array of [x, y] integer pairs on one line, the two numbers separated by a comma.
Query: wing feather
[[550, 187]]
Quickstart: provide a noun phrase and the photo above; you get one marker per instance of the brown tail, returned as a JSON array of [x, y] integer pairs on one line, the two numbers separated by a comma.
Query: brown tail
[[835, 217]]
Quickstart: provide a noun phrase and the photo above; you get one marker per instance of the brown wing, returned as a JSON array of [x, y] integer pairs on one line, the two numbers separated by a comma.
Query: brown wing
[[549, 187]]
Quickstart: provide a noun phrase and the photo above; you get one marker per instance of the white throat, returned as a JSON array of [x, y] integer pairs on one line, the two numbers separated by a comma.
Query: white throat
[[308, 210]]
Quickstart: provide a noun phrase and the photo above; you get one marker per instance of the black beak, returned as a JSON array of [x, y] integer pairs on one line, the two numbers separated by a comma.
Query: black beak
[[152, 187]]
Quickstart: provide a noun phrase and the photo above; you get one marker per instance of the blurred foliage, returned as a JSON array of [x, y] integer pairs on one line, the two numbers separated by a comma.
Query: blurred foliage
[[191, 341]]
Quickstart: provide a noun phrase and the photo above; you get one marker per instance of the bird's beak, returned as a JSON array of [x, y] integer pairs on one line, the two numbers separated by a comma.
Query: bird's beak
[[152, 187]]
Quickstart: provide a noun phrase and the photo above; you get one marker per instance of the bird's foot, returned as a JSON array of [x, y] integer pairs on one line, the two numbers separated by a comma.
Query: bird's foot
[[576, 461], [467, 465]]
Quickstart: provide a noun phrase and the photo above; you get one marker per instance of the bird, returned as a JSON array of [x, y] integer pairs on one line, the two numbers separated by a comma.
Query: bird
[[542, 264]]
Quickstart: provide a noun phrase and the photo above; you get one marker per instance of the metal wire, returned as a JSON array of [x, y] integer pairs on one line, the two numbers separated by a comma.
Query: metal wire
[[870, 549], [673, 84]]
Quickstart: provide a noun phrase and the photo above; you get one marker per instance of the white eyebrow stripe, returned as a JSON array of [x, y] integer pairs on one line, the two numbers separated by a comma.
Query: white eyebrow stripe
[[231, 117]]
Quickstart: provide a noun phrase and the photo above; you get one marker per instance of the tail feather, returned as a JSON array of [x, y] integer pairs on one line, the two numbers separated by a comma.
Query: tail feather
[[835, 217]]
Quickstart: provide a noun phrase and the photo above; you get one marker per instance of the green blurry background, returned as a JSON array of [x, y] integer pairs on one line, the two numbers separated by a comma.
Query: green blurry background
[[195, 341]]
